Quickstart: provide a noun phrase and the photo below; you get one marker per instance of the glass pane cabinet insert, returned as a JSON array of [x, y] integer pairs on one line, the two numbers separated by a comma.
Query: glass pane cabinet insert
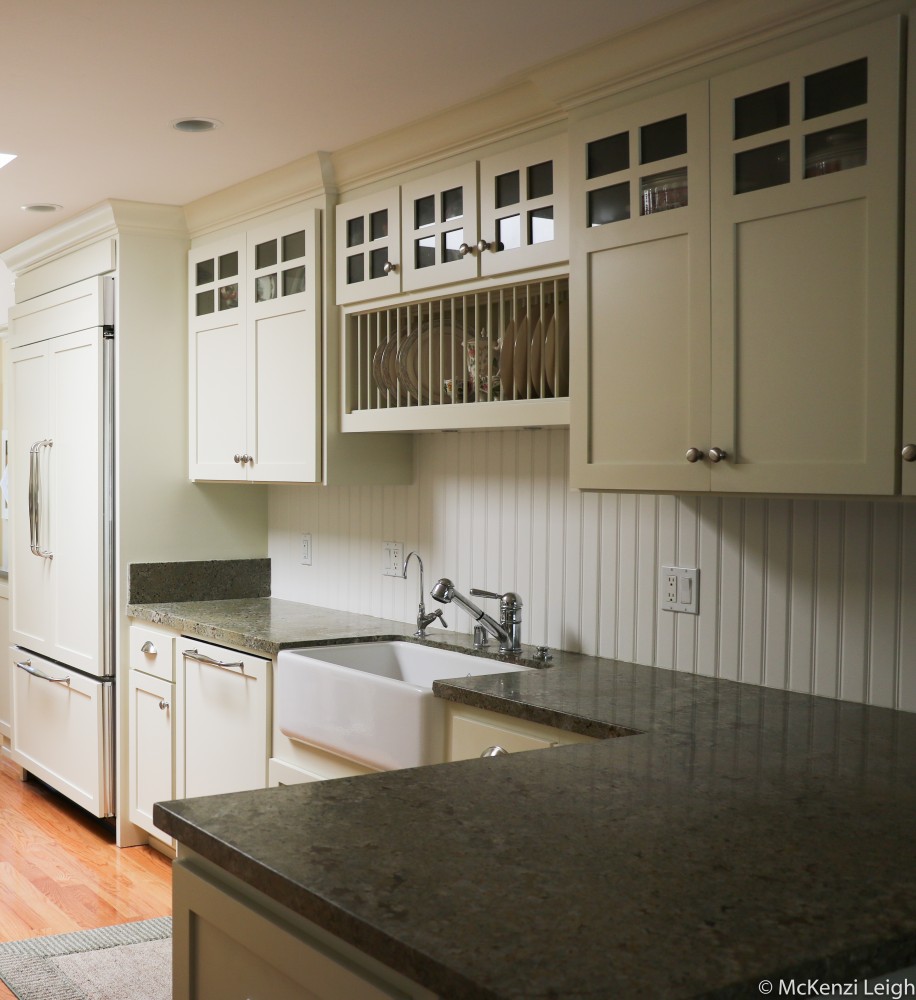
[[368, 247]]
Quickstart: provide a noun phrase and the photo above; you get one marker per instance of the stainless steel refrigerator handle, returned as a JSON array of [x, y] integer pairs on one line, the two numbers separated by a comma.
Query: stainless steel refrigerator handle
[[192, 654], [26, 665], [35, 498]]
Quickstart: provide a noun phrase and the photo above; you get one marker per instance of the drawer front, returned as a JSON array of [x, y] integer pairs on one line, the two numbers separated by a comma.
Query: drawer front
[[62, 729], [471, 738], [224, 728], [152, 651]]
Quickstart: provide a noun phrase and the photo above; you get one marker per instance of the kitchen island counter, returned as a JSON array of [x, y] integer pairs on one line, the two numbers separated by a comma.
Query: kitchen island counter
[[744, 834]]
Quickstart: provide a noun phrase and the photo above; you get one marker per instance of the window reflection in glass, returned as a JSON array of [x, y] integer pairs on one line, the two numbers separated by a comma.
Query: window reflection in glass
[[452, 204], [509, 232], [265, 288], [294, 280], [540, 225], [507, 189], [378, 224], [424, 210], [205, 271], [377, 261], [355, 269], [609, 204], [450, 243], [425, 252]]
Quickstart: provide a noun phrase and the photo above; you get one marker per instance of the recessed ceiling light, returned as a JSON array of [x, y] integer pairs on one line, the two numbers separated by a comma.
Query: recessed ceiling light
[[6, 158], [41, 206], [195, 124]]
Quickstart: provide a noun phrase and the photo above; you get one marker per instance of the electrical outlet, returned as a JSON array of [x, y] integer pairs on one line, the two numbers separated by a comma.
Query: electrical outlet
[[679, 588], [392, 558], [305, 552]]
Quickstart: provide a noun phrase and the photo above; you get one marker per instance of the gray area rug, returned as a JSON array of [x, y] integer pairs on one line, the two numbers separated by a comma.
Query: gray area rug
[[125, 962]]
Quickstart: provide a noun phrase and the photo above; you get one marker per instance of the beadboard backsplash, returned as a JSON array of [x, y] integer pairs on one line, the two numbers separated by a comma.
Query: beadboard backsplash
[[817, 596]]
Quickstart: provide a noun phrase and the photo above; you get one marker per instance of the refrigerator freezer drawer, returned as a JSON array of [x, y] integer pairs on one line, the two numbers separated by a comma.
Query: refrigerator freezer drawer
[[62, 729]]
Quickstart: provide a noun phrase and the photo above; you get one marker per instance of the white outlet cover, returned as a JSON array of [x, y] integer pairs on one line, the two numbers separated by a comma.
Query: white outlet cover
[[679, 589]]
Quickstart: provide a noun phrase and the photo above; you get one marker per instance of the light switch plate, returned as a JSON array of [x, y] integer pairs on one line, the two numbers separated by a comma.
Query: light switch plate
[[679, 589]]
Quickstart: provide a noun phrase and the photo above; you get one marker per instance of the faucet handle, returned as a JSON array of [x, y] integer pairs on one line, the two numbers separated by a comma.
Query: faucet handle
[[485, 593]]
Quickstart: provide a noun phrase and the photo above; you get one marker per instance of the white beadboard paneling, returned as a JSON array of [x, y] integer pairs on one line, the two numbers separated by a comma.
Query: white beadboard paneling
[[808, 595]]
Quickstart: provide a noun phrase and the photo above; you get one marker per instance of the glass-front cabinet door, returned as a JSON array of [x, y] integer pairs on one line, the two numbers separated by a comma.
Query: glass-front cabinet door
[[283, 351], [217, 370], [639, 289], [439, 228], [369, 247], [523, 207], [804, 181]]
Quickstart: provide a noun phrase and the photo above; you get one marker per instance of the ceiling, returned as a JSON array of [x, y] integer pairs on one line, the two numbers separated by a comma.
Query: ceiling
[[89, 87]]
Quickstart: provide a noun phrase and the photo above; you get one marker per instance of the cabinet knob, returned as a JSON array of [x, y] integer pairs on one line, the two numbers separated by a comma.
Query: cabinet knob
[[236, 459], [496, 751], [148, 647], [465, 249], [908, 453], [483, 245], [389, 268], [695, 455], [717, 455], [163, 704], [246, 459]]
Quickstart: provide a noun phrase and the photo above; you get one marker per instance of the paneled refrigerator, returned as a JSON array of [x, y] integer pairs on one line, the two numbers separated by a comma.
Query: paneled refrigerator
[[62, 540]]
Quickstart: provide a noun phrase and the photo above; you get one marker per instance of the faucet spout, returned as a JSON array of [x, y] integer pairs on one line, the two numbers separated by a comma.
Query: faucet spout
[[423, 619]]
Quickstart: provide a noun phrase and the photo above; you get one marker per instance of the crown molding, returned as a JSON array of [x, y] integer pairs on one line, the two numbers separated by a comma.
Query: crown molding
[[106, 219]]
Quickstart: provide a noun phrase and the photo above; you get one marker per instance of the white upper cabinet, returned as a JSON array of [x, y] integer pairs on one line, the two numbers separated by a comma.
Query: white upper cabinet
[[734, 286], [439, 228], [501, 215], [254, 328], [524, 199], [369, 247], [805, 231], [639, 288]]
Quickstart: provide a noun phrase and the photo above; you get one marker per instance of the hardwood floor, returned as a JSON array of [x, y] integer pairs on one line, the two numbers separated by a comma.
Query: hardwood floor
[[60, 870]]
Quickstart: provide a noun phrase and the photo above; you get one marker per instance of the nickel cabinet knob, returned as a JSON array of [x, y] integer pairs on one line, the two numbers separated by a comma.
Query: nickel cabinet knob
[[483, 245], [389, 268], [717, 455], [908, 453], [695, 455]]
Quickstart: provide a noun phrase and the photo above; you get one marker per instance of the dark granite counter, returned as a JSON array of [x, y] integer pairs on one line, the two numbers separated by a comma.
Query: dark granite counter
[[746, 834]]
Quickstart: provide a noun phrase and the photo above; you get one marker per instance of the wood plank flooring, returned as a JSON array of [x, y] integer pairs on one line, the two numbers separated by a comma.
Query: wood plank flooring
[[60, 870]]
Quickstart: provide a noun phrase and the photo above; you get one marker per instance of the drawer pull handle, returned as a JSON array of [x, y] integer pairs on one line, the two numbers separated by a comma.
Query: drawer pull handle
[[149, 648], [496, 751], [192, 654], [26, 665]]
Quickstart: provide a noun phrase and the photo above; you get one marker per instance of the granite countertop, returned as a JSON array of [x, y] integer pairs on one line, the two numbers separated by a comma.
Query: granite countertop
[[743, 834]]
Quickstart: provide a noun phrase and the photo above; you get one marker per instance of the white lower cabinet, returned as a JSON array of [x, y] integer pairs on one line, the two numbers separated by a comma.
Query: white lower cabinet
[[223, 718], [230, 942], [61, 726], [475, 732]]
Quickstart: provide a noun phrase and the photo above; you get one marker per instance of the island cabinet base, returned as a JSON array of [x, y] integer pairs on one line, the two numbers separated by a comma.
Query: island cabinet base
[[232, 942]]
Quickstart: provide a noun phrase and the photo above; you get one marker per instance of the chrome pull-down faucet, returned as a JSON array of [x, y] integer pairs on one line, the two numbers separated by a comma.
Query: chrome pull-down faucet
[[423, 619], [508, 630]]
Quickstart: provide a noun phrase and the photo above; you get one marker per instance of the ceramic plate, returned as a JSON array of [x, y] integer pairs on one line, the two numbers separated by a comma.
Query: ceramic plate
[[535, 354], [550, 355], [562, 372], [506, 352], [440, 360], [378, 370], [390, 369], [407, 364], [520, 359]]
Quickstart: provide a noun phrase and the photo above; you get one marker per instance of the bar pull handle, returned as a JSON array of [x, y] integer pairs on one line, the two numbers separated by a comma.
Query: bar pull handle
[[192, 654], [26, 665]]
